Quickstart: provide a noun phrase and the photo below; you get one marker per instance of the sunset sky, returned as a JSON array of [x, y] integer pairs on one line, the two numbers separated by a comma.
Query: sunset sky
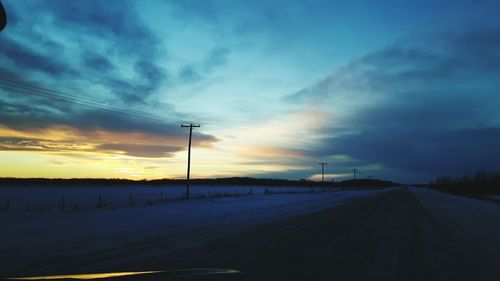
[[401, 90]]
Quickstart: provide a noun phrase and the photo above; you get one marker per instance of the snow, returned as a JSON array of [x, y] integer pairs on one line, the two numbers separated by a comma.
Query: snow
[[48, 198], [29, 236]]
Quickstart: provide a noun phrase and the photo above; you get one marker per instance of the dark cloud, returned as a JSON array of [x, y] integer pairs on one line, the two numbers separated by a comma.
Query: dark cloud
[[145, 150], [117, 23], [422, 107], [98, 39], [105, 33], [116, 20], [189, 73], [96, 61], [92, 131], [29, 59], [35, 144], [218, 56], [477, 48], [24, 115], [204, 9], [117, 122], [141, 150], [38, 116], [468, 54], [432, 152]]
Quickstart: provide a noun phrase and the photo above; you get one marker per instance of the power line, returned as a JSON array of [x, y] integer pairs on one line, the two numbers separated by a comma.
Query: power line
[[18, 86], [190, 126], [54, 95]]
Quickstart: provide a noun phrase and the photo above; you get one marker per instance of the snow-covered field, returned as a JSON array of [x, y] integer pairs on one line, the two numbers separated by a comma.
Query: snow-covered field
[[432, 233], [30, 236], [51, 198]]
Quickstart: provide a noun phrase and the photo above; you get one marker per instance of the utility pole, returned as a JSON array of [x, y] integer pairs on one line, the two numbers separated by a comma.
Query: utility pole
[[354, 171], [323, 171], [190, 126]]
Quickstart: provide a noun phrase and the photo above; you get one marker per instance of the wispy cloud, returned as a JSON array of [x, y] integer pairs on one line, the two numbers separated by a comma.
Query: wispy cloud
[[67, 139], [425, 106]]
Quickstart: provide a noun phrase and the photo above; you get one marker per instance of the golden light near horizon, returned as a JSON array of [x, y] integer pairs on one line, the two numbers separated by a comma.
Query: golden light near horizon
[[87, 276], [91, 276], [329, 177], [64, 151]]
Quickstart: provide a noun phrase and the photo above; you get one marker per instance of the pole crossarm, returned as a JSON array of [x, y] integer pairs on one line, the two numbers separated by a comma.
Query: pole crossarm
[[191, 126]]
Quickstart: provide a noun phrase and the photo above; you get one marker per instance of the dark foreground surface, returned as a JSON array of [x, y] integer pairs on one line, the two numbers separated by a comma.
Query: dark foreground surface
[[395, 235]]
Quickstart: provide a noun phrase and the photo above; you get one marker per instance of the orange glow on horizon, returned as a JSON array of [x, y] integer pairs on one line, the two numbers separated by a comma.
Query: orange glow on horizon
[[62, 151]]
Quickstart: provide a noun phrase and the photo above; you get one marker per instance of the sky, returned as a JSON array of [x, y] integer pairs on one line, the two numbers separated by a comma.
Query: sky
[[400, 90]]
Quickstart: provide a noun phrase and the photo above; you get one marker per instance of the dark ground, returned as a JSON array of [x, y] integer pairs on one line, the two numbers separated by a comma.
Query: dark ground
[[386, 237], [389, 236]]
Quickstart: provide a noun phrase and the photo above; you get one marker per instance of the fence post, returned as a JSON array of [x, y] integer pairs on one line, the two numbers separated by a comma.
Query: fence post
[[99, 203]]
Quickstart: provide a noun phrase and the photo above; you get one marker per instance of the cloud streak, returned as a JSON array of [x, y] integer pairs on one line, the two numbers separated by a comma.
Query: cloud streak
[[66, 139]]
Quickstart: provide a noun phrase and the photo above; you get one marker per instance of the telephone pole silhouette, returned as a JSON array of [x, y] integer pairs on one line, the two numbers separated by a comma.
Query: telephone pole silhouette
[[190, 126], [354, 172], [323, 171]]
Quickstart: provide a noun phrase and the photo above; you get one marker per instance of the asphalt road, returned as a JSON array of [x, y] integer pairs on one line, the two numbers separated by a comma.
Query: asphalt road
[[389, 236]]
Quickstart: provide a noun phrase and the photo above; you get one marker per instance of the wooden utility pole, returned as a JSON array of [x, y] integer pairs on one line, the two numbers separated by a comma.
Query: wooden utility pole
[[323, 171], [354, 172], [190, 126]]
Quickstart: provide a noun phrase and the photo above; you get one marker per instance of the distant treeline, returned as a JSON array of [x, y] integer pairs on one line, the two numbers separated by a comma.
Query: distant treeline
[[216, 181], [480, 183], [365, 182]]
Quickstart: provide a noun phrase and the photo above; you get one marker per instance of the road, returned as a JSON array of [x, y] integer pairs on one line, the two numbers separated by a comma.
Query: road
[[403, 234]]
